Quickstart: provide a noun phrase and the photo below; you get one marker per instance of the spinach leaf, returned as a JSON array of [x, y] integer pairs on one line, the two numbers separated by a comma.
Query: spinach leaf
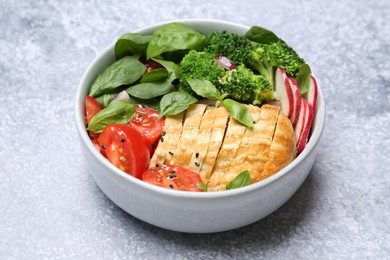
[[153, 102], [303, 78], [122, 72], [172, 37], [204, 88], [239, 112], [175, 102], [131, 43], [171, 67], [151, 89], [242, 179], [105, 99], [156, 88], [117, 112], [155, 75], [261, 35]]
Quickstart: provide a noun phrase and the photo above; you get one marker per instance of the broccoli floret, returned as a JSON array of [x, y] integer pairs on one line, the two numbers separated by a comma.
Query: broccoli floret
[[230, 45], [266, 57], [199, 65], [243, 85]]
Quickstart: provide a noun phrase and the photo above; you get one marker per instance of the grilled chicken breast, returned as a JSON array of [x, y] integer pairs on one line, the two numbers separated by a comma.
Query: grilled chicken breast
[[208, 141]]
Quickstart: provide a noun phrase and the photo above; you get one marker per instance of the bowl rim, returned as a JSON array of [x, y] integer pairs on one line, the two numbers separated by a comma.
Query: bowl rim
[[319, 119]]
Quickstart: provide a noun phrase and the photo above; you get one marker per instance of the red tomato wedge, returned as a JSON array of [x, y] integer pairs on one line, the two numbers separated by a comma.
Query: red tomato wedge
[[146, 122], [92, 107], [173, 177], [126, 148]]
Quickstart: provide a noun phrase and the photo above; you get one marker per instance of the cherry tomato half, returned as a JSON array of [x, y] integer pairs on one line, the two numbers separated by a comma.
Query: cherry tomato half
[[173, 177], [92, 107], [146, 122], [126, 148]]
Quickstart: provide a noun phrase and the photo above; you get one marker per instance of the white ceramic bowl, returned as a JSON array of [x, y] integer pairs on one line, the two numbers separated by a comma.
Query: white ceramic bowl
[[191, 211]]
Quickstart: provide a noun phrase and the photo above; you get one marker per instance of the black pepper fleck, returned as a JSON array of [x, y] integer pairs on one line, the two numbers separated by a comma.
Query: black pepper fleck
[[197, 164], [171, 186], [157, 165], [123, 140], [170, 153], [197, 155], [104, 147], [139, 116], [164, 133], [161, 139]]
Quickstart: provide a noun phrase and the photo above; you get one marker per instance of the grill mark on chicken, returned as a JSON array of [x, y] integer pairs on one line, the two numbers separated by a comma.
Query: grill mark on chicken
[[173, 127], [216, 139], [183, 152], [283, 147], [246, 148], [202, 142], [231, 143], [261, 141]]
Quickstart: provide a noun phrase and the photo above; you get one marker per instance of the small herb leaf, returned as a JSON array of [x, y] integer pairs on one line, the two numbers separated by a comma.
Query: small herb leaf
[[202, 186], [122, 72], [204, 88], [303, 78], [261, 35], [239, 112], [131, 43], [175, 102], [117, 112], [242, 179]]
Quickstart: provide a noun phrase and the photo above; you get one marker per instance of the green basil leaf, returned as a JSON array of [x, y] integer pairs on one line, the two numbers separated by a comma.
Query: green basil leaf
[[105, 99], [155, 75], [131, 43], [204, 88], [151, 89], [202, 186], [303, 78], [261, 35], [117, 112], [175, 102], [242, 179], [172, 37], [122, 72], [239, 112]]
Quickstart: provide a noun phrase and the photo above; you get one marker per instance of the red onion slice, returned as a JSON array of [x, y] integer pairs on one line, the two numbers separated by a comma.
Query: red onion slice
[[225, 62]]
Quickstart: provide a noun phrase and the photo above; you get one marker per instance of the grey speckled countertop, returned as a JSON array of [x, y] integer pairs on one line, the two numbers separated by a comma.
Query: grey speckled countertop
[[50, 207]]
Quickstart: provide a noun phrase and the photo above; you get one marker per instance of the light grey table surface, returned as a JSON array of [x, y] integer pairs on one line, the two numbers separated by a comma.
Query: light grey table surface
[[50, 207]]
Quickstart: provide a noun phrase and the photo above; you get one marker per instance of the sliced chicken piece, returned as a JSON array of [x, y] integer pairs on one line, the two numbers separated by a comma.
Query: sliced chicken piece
[[168, 141], [182, 154], [202, 142], [238, 163], [283, 148], [211, 150], [259, 151], [233, 136]]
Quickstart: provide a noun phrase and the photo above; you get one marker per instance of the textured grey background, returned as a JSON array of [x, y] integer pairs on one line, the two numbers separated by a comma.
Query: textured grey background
[[50, 207]]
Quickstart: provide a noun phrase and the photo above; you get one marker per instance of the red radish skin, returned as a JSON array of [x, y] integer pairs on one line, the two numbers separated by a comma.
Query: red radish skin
[[298, 129], [305, 128], [297, 101], [284, 92], [311, 95]]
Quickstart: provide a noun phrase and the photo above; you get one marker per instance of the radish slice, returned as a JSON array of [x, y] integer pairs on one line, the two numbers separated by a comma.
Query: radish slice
[[225, 62]]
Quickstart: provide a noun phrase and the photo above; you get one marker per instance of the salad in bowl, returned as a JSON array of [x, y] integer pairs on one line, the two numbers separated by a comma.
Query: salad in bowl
[[198, 106]]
